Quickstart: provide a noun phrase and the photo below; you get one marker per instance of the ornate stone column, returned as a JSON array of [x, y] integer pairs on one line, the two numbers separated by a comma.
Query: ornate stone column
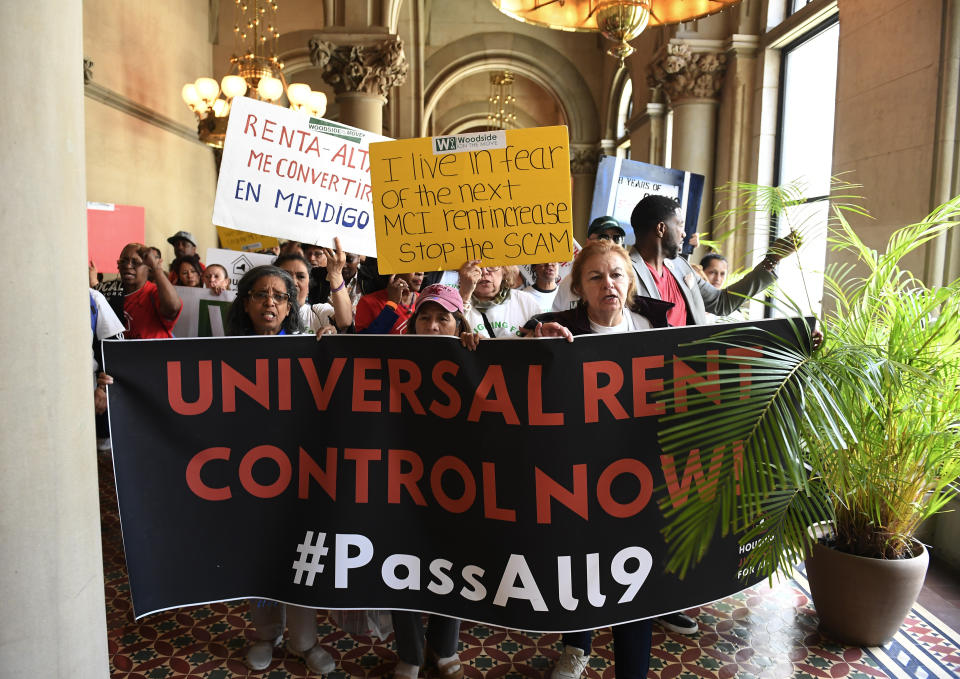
[[584, 159], [692, 81], [51, 587], [657, 114], [742, 52], [361, 70]]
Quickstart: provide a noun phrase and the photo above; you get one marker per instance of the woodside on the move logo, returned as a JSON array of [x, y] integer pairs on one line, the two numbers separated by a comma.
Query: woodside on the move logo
[[479, 141], [334, 130]]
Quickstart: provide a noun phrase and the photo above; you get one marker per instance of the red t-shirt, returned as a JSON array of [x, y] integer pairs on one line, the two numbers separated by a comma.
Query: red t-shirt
[[669, 291], [142, 317], [370, 306]]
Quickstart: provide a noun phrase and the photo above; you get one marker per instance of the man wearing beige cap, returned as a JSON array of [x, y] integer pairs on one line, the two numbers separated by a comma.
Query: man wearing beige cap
[[184, 245]]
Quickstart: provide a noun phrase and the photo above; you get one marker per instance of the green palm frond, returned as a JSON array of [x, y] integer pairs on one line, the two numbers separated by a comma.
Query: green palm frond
[[864, 433]]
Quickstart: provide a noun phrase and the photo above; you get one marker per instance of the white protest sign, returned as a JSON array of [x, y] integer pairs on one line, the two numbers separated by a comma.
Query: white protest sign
[[203, 314], [236, 263], [288, 175]]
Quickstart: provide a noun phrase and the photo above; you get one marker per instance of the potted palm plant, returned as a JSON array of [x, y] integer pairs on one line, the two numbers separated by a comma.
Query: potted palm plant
[[845, 449]]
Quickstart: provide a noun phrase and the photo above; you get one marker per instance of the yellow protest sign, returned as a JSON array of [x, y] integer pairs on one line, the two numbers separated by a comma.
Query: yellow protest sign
[[502, 197], [231, 239]]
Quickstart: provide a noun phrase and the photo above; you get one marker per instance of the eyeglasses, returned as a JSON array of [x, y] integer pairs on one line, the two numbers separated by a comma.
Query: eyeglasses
[[618, 240], [278, 297], [126, 261], [489, 269]]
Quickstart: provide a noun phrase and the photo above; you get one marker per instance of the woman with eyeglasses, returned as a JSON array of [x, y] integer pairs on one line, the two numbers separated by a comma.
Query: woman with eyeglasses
[[491, 306], [266, 304]]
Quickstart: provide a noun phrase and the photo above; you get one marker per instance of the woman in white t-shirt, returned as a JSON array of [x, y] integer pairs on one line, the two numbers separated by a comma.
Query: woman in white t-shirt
[[492, 307]]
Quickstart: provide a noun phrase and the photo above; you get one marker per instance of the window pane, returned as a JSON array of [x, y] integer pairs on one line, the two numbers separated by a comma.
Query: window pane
[[800, 276], [624, 108], [668, 141], [806, 156], [810, 85]]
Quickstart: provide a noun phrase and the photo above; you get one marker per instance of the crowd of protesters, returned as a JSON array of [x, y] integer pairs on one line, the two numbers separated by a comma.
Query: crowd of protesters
[[320, 290]]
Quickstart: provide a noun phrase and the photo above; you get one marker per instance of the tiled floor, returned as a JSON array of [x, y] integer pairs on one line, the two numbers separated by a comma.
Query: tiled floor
[[762, 632], [941, 594]]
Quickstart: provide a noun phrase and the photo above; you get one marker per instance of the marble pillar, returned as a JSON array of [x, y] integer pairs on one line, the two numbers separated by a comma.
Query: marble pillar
[[657, 114], [584, 159], [692, 81], [742, 50], [51, 573]]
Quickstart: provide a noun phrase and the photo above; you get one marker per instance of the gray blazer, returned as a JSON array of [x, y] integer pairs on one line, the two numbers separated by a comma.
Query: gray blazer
[[700, 296]]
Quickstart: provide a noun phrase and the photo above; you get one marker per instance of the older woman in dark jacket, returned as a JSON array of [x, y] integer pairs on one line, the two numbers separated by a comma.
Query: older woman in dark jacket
[[602, 276]]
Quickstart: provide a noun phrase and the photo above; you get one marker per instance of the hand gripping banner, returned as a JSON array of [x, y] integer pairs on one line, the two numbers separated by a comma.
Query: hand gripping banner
[[515, 486]]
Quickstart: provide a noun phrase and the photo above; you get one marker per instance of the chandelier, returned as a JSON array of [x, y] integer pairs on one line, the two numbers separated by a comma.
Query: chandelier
[[501, 112], [256, 73], [618, 20]]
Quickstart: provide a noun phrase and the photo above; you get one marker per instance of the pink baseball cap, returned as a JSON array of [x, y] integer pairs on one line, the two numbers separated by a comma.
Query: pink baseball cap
[[444, 295]]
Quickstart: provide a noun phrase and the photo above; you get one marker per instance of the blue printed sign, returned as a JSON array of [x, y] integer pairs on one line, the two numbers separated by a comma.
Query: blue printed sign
[[622, 183], [288, 175]]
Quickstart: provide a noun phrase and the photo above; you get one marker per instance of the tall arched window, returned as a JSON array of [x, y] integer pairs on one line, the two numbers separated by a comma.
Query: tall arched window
[[804, 153]]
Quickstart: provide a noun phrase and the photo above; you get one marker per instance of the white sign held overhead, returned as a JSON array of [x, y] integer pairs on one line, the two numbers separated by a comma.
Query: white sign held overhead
[[237, 263], [203, 314], [288, 175]]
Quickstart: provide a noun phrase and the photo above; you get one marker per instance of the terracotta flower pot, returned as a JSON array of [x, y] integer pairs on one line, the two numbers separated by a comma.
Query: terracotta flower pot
[[862, 601]]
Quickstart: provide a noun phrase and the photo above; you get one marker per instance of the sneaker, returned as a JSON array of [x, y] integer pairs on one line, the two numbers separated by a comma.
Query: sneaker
[[679, 623], [317, 660], [571, 664], [447, 668], [260, 655], [406, 671], [450, 668]]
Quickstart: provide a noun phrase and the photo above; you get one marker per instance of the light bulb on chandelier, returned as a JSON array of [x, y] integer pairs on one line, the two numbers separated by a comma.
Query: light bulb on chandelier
[[258, 74]]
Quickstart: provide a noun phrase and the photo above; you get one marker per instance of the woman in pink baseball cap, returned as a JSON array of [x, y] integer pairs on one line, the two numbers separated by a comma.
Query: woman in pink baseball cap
[[439, 311]]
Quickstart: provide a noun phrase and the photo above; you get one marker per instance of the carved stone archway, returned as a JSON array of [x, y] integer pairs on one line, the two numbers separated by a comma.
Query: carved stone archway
[[524, 55], [473, 114]]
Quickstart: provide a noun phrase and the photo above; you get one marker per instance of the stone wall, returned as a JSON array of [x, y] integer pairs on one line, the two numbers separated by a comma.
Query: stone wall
[[141, 147]]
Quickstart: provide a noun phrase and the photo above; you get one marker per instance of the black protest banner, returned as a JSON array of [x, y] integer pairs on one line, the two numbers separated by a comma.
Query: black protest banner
[[515, 485]]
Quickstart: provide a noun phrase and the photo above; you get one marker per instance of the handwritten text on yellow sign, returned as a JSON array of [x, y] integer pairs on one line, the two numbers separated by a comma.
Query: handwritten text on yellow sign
[[500, 197]]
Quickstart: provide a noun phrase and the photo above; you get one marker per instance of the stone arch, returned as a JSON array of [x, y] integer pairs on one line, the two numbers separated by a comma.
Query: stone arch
[[474, 113], [391, 11], [524, 55]]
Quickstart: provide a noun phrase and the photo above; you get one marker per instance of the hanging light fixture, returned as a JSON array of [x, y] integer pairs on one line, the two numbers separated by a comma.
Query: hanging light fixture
[[256, 73], [501, 101], [617, 20]]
